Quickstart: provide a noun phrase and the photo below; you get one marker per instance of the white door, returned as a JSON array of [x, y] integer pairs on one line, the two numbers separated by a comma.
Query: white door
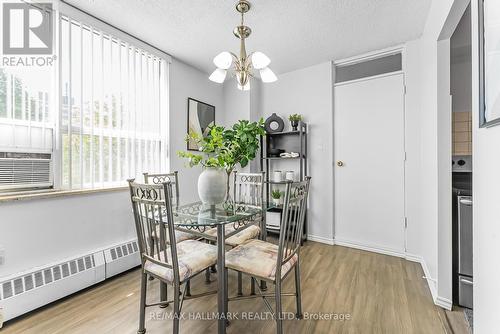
[[369, 163]]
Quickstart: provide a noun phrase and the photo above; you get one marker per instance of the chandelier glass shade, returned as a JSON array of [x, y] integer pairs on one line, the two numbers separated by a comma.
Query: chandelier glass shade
[[243, 65]]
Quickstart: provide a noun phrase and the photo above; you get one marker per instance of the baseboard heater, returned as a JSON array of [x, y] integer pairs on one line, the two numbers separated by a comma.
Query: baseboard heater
[[24, 292]]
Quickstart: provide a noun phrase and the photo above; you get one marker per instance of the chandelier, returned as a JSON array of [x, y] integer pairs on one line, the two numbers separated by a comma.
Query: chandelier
[[243, 65]]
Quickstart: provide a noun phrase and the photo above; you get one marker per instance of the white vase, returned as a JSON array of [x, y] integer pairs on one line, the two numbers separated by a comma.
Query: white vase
[[212, 186]]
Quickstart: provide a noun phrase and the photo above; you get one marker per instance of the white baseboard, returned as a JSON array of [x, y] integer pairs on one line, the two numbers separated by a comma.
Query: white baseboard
[[444, 303], [323, 240], [431, 282], [369, 248]]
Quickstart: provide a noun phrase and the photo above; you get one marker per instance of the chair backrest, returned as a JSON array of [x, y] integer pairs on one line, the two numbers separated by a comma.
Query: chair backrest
[[152, 207], [292, 220], [248, 188], [172, 178]]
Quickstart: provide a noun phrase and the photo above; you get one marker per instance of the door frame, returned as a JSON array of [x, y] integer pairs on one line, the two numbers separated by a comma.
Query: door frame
[[444, 286], [401, 48]]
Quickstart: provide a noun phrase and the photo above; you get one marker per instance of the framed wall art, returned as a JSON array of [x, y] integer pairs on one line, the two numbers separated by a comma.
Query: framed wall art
[[201, 116]]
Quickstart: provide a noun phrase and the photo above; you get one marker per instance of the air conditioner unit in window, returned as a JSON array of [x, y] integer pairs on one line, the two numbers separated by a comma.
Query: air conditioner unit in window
[[25, 170]]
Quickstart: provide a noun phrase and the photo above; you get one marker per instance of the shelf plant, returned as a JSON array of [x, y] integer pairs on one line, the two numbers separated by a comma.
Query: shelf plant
[[294, 120], [276, 196]]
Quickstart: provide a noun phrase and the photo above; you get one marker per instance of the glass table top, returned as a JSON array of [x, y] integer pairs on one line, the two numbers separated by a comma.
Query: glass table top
[[211, 215]]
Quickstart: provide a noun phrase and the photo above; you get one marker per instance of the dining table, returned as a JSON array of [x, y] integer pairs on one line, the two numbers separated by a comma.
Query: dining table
[[228, 218]]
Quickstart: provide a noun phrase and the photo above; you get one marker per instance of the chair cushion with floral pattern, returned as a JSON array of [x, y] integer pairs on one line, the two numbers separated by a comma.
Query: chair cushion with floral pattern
[[193, 256], [248, 233], [258, 258], [179, 235]]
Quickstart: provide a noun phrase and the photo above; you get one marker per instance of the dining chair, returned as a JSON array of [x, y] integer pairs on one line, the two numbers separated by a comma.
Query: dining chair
[[173, 178], [248, 190], [270, 262], [173, 263]]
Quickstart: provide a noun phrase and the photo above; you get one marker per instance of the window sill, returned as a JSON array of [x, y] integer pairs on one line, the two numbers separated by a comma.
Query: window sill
[[30, 195]]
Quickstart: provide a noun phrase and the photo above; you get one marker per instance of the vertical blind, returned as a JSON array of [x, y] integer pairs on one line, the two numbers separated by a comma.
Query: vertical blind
[[113, 103]]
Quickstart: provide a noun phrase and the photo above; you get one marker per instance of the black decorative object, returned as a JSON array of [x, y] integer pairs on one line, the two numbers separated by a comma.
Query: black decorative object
[[201, 116], [275, 152], [294, 124], [274, 124]]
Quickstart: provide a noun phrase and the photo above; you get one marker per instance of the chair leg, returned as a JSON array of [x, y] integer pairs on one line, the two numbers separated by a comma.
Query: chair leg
[[298, 292], [188, 288], [207, 276], [177, 305], [163, 294], [252, 286], [151, 246], [279, 315], [226, 295], [142, 311], [240, 283]]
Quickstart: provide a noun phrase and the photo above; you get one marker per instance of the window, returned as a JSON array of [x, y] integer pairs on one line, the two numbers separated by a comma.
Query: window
[[26, 118], [100, 114], [27, 127], [112, 96], [371, 67]]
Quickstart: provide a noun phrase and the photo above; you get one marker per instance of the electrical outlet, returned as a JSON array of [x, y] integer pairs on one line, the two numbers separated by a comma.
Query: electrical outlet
[[2, 256]]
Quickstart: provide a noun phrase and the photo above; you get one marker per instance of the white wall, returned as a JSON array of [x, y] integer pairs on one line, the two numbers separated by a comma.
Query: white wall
[[445, 206], [240, 105], [461, 83], [486, 181], [430, 235], [423, 236], [460, 54], [412, 146], [309, 92], [236, 103], [40, 231]]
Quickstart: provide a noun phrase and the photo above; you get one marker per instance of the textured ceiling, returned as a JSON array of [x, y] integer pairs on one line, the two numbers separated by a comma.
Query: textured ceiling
[[293, 33]]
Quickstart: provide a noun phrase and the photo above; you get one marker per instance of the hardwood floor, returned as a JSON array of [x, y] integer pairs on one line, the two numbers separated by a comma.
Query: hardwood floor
[[378, 294]]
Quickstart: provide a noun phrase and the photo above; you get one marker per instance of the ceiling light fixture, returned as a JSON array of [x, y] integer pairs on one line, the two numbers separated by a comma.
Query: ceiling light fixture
[[242, 65]]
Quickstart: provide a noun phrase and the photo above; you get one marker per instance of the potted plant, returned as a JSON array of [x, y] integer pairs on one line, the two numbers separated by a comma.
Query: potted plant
[[276, 196], [294, 120], [222, 150]]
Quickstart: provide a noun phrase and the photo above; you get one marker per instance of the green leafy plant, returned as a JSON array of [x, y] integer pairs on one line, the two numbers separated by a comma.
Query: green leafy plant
[[295, 117], [276, 194], [211, 148], [226, 148]]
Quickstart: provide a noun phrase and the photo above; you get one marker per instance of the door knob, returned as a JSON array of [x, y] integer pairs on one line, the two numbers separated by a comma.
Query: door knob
[[340, 163]]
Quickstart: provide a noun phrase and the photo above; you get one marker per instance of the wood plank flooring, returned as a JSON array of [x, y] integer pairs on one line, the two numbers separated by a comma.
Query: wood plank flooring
[[379, 294]]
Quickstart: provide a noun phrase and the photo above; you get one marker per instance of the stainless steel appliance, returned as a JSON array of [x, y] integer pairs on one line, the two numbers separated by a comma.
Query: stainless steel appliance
[[462, 231], [461, 164], [465, 281]]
